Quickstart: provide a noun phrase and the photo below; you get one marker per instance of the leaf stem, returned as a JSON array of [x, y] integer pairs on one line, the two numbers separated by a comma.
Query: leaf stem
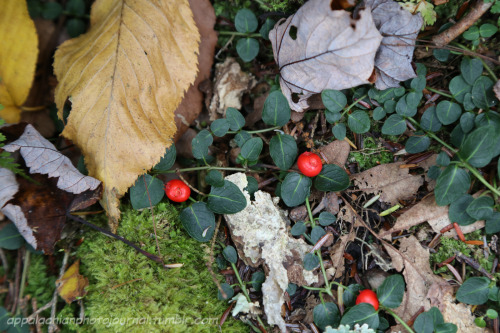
[[257, 131], [439, 92], [327, 288], [432, 135], [23, 279], [488, 69], [207, 167], [480, 178], [310, 213], [236, 33], [401, 321], [352, 105]]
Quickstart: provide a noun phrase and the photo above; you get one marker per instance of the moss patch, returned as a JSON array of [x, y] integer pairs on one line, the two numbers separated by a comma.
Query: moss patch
[[371, 155], [130, 293]]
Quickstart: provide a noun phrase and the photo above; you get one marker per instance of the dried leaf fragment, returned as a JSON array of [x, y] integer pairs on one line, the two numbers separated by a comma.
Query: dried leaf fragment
[[319, 48], [126, 76], [18, 56], [72, 284]]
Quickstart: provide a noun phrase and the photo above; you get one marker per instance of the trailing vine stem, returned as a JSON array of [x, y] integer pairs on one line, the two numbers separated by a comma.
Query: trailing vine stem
[[401, 321]]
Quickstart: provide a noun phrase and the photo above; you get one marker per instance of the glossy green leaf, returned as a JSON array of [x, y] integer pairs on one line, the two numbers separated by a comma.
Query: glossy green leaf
[[474, 291], [235, 119], [429, 120], [471, 69], [451, 184], [477, 149], [291, 289], [417, 144], [448, 112], [351, 293], [404, 109], [51, 10], [4, 319], [266, 27], [467, 122], [140, 197], [311, 261], [413, 99], [333, 100], [441, 54], [434, 172], [76, 7], [390, 292], [220, 127], [10, 238], [443, 159], [326, 314], [383, 95], [332, 117], [468, 103], [379, 113], [198, 221], [446, 328], [200, 144], [394, 125], [493, 223], [283, 150], [482, 93], [251, 149], [227, 199], [245, 21], [418, 83], [427, 321], [363, 313], [326, 218], [457, 136], [487, 30], [230, 254], [339, 131], [241, 137], [332, 178], [168, 160], [75, 27], [298, 229], [390, 106], [359, 122], [247, 49], [295, 189], [316, 233], [481, 208], [228, 290], [257, 279], [276, 110], [214, 178], [457, 211], [472, 33], [459, 87]]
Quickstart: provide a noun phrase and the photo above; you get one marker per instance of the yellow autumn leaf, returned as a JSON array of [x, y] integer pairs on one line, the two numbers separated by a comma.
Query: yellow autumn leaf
[[125, 77], [72, 284], [18, 54]]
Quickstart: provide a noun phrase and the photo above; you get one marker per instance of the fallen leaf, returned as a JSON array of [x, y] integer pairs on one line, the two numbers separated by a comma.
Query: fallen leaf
[[18, 56], [390, 181], [192, 103], [319, 48], [336, 152], [126, 76], [71, 286], [337, 253], [38, 208], [413, 261], [399, 29], [428, 211], [230, 84], [260, 234]]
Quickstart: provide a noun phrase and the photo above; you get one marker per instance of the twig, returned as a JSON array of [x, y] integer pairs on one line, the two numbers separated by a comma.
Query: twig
[[38, 311], [5, 263], [17, 279], [474, 264], [186, 182], [38, 325], [53, 326], [152, 215], [476, 11], [109, 233], [211, 260], [23, 279]]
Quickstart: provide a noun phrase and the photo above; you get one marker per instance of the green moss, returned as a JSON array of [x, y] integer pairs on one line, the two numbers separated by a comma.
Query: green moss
[[40, 284], [280, 5], [126, 286], [371, 155], [447, 249]]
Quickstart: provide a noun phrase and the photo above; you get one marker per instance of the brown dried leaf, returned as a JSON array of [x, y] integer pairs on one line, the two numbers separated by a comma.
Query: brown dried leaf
[[72, 284], [337, 253], [390, 181], [419, 278], [336, 152], [330, 50], [399, 29]]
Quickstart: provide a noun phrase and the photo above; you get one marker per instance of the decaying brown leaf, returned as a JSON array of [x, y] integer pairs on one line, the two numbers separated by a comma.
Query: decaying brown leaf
[[72, 284], [413, 261], [125, 77], [319, 48], [38, 208], [337, 253], [399, 28], [336, 152], [390, 181]]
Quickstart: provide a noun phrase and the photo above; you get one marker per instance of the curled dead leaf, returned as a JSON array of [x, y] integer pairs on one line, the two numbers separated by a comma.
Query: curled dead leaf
[[71, 286]]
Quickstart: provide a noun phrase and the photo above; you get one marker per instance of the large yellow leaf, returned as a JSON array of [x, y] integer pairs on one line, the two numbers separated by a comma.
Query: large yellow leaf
[[18, 54], [125, 77]]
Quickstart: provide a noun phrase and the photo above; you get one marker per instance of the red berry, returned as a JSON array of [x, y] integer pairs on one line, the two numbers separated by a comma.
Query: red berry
[[368, 296], [176, 190], [309, 164]]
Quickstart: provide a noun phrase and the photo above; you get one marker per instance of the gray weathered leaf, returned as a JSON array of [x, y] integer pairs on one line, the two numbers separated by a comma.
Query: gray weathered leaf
[[42, 157], [8, 186], [399, 29], [319, 48]]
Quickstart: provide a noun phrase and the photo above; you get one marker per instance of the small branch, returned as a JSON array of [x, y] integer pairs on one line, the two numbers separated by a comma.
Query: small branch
[[476, 11], [189, 185], [474, 264], [109, 233], [53, 327], [211, 260], [23, 280], [38, 311]]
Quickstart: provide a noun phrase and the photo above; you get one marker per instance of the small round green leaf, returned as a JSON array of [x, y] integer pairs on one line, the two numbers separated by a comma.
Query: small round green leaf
[[468, 103], [417, 144], [276, 110], [168, 160], [457, 136], [241, 137], [326, 218], [351, 293], [446, 328], [443, 159], [457, 212], [326, 314], [75, 27], [339, 131], [478, 147], [228, 290], [295, 189], [492, 314], [451, 184], [220, 127], [418, 84], [251, 149], [363, 313], [235, 118], [10, 238], [487, 30], [214, 178], [425, 322], [266, 27], [467, 121], [247, 49], [291, 289], [474, 291], [493, 223], [332, 117], [359, 122], [316, 234], [76, 7], [481, 208], [379, 113], [471, 69], [482, 93], [390, 292], [394, 125], [227, 199], [429, 120], [252, 185], [139, 196], [413, 99], [405, 109], [198, 221], [245, 21], [230, 254], [472, 33], [448, 112], [311, 261], [283, 150], [459, 87], [257, 279], [434, 172], [200, 144], [441, 54], [333, 100], [332, 178], [51, 10], [390, 106], [298, 229]]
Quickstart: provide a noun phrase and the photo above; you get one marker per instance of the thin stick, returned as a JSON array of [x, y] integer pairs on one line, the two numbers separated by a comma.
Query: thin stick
[[476, 11], [38, 325], [52, 326], [152, 216], [474, 264], [38, 311], [186, 182], [211, 260], [23, 279]]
